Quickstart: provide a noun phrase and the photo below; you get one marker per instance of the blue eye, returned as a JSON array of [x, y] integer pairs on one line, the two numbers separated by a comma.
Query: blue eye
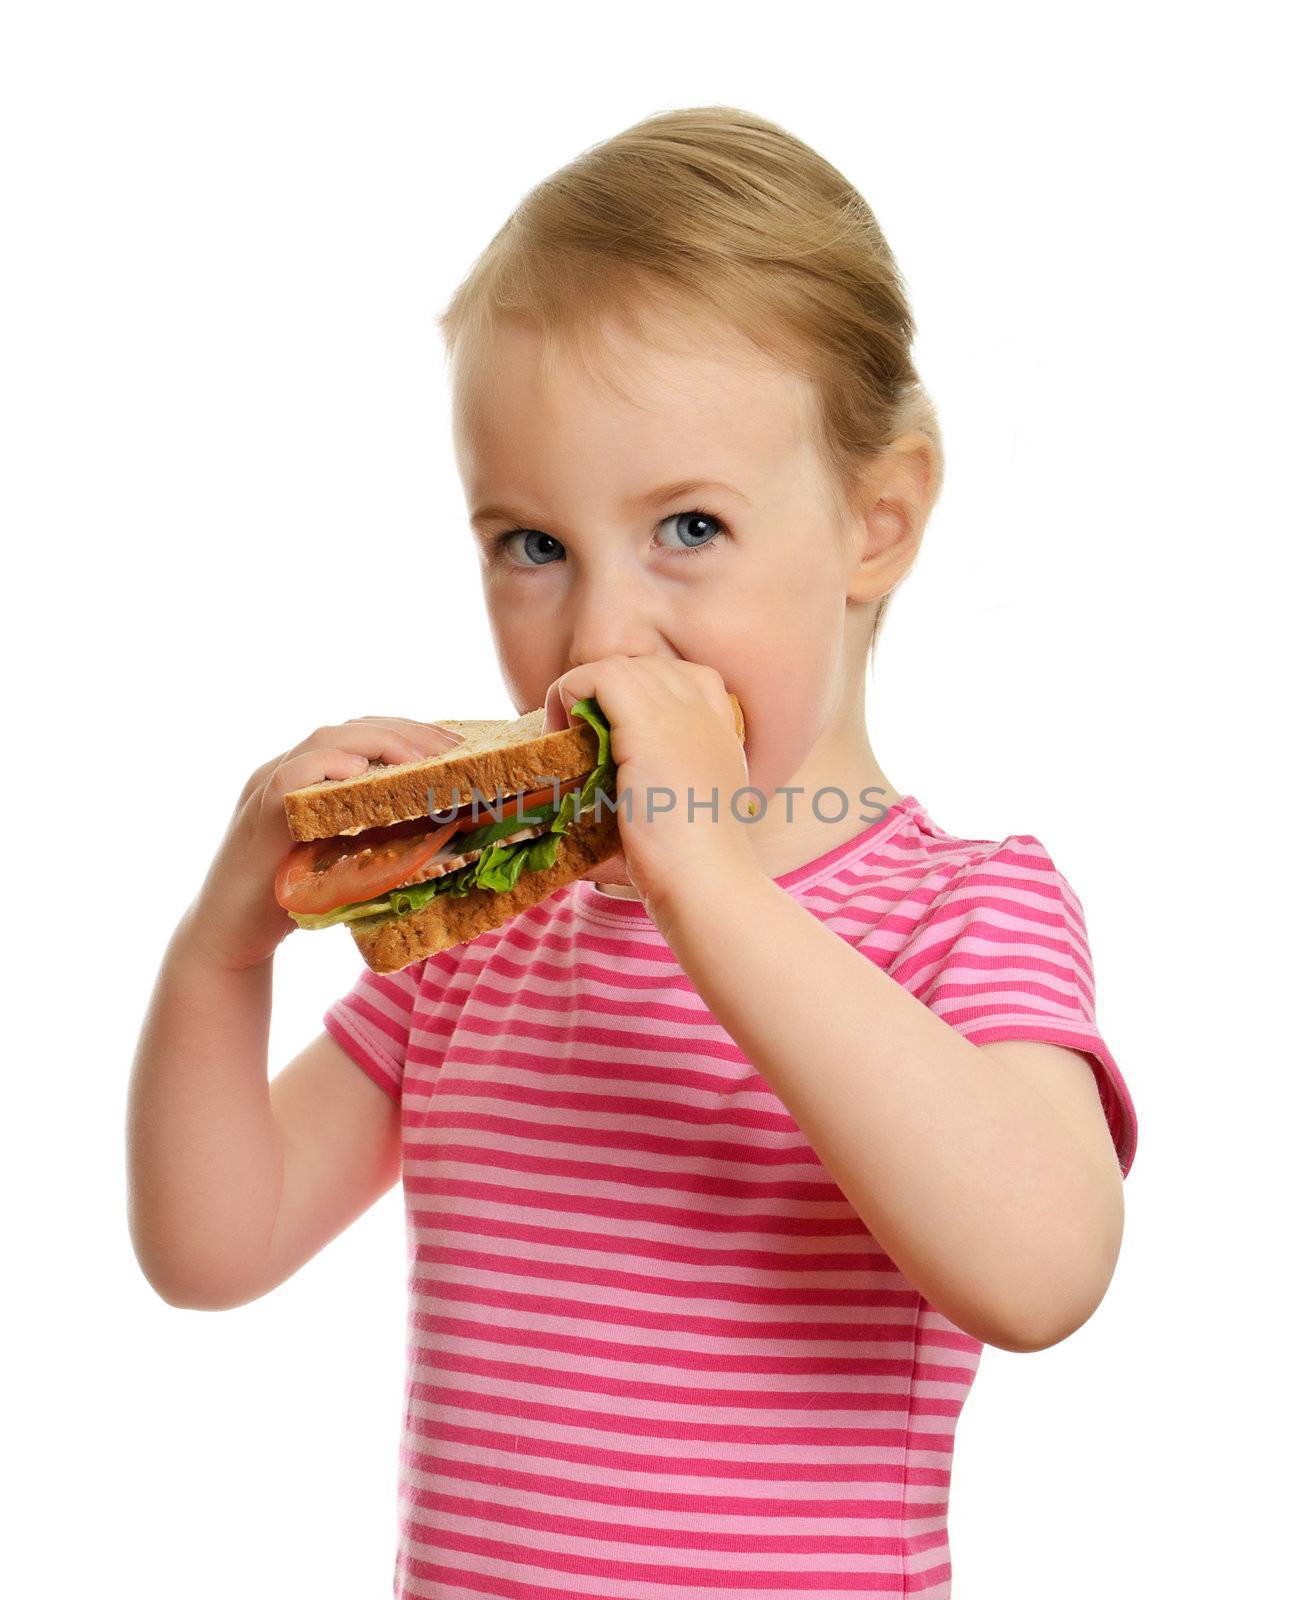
[[694, 519], [501, 545], [546, 548]]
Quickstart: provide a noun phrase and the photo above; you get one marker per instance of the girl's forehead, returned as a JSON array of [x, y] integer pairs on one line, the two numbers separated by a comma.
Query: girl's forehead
[[646, 363], [725, 391]]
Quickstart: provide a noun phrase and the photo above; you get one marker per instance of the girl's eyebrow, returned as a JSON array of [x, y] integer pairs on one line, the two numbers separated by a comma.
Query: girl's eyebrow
[[673, 491], [650, 497]]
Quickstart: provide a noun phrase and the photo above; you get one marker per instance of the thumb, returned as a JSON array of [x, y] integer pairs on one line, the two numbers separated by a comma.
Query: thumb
[[558, 708]]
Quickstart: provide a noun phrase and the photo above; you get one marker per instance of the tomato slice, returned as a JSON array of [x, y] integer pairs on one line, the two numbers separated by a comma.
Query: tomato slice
[[536, 798], [323, 874]]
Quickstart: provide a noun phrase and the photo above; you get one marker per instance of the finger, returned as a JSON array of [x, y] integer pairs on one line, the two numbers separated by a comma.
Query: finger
[[313, 766], [690, 682], [356, 746], [562, 695], [259, 777], [705, 683], [371, 740], [432, 737], [713, 685]]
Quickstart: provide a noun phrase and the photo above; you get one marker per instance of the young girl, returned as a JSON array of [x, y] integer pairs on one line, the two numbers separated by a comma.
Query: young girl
[[722, 1165]]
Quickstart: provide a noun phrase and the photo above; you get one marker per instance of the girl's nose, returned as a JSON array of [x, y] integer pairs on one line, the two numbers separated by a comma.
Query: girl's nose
[[613, 619]]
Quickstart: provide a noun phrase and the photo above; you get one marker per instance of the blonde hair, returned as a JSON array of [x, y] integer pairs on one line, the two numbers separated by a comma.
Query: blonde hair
[[712, 211]]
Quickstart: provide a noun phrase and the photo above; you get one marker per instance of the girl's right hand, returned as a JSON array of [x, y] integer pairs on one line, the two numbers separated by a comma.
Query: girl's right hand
[[235, 920]]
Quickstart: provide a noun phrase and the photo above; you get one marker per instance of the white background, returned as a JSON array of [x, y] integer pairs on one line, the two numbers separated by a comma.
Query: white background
[[233, 515]]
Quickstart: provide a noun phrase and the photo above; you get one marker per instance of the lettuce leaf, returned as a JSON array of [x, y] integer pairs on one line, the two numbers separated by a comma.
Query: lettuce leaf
[[499, 865]]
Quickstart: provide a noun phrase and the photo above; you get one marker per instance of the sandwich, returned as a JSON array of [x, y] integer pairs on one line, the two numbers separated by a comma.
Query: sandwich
[[416, 857]]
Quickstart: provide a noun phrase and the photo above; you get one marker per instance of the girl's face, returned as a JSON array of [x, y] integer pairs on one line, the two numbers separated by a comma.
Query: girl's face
[[693, 521]]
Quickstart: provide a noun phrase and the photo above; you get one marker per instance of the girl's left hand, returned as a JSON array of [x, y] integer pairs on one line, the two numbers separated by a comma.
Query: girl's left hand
[[673, 740]]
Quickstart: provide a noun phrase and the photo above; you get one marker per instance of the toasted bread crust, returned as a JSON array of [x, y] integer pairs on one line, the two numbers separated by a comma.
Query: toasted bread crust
[[397, 942], [518, 757]]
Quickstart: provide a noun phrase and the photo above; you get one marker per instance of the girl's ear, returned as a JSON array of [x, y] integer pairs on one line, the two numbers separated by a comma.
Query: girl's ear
[[895, 505]]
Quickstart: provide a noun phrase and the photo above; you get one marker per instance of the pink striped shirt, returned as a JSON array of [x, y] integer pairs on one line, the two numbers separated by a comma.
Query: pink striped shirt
[[653, 1353]]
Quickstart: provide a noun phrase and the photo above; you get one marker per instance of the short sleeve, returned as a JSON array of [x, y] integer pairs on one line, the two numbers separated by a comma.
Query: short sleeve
[[1004, 953], [371, 1024]]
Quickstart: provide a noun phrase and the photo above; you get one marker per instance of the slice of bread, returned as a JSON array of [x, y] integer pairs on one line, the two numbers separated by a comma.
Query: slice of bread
[[494, 757]]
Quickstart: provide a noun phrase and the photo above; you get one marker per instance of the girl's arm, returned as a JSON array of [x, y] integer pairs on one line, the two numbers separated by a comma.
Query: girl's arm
[[235, 1182], [203, 1146], [209, 1141], [987, 1195]]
